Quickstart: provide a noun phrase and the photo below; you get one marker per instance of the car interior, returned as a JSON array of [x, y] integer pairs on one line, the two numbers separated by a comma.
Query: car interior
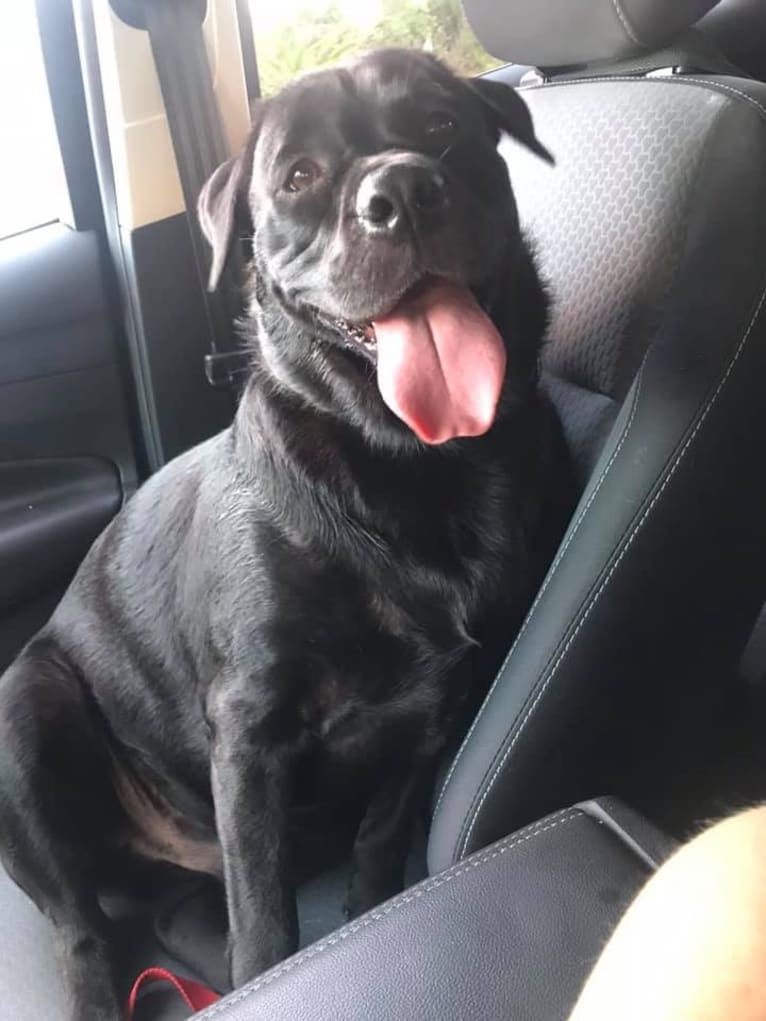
[[631, 705]]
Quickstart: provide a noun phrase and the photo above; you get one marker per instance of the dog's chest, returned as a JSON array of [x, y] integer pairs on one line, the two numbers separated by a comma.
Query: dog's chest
[[370, 583], [367, 676], [367, 639]]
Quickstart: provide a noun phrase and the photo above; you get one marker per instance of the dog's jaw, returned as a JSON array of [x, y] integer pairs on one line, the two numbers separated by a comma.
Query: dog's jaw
[[360, 337]]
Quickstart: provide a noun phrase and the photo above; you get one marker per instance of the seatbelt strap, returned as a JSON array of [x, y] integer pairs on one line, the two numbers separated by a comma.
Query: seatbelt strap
[[194, 994], [196, 129]]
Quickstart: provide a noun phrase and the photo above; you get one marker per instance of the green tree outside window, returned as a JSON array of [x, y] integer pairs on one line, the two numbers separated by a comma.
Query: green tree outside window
[[321, 35]]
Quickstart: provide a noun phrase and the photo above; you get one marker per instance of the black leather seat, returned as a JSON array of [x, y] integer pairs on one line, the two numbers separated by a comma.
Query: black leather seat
[[651, 231], [739, 29]]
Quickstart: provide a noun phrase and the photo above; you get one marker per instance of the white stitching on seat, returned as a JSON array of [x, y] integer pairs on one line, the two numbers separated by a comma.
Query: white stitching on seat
[[529, 833], [677, 80], [615, 565], [562, 550], [629, 31], [729, 88]]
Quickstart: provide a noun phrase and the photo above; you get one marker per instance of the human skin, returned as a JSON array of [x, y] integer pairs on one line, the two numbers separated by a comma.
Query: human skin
[[692, 946]]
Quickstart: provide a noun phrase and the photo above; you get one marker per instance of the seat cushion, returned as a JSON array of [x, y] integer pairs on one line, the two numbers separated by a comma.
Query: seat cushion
[[511, 933], [30, 988], [191, 924], [30, 985], [181, 928]]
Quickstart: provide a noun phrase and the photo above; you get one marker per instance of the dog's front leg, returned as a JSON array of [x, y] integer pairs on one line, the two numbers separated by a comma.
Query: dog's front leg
[[251, 787], [385, 834]]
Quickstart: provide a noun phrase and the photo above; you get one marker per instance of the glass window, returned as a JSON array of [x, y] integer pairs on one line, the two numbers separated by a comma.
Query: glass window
[[292, 36], [31, 176]]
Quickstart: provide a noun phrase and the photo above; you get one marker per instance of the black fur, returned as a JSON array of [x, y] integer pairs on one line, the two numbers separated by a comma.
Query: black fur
[[284, 623]]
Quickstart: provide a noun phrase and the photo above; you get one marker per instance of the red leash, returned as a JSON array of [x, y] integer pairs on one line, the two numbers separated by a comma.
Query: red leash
[[194, 994]]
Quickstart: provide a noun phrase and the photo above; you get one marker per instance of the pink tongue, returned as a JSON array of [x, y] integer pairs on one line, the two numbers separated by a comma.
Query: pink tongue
[[441, 363]]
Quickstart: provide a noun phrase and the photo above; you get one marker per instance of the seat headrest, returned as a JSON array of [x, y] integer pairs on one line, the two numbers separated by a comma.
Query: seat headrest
[[557, 33]]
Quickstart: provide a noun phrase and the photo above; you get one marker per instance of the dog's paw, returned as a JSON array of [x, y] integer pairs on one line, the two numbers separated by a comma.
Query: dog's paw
[[364, 896], [249, 957], [352, 906]]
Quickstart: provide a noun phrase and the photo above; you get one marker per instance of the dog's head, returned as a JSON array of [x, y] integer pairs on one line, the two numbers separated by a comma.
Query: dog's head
[[382, 226]]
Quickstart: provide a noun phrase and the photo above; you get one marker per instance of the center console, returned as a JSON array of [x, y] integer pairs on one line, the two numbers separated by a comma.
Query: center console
[[509, 934]]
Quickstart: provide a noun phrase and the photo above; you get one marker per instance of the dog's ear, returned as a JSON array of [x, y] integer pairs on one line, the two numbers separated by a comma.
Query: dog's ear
[[222, 205], [217, 209], [510, 113]]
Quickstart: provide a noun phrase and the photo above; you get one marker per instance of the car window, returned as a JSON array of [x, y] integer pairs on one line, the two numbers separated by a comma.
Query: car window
[[32, 188], [292, 36]]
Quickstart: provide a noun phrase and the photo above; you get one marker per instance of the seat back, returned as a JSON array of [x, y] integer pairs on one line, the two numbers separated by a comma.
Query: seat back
[[739, 29], [651, 233]]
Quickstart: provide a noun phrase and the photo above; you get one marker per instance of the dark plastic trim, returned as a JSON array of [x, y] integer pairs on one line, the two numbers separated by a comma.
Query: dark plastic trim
[[131, 319], [249, 55], [61, 58], [59, 47], [133, 12]]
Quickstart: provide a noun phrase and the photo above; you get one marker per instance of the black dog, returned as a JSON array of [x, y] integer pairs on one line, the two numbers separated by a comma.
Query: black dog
[[274, 622]]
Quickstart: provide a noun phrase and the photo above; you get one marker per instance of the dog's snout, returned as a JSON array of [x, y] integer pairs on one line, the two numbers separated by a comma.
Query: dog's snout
[[390, 198]]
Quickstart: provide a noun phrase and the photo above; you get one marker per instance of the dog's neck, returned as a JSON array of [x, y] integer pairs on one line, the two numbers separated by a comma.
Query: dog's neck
[[319, 477]]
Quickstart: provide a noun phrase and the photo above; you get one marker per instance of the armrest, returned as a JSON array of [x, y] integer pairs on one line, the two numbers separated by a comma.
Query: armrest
[[511, 932], [51, 510]]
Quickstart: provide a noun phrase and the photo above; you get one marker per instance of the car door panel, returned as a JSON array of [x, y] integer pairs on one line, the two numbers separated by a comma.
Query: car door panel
[[51, 510], [66, 449]]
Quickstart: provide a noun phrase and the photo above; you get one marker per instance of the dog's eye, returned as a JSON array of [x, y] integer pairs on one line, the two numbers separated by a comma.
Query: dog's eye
[[302, 175], [440, 124]]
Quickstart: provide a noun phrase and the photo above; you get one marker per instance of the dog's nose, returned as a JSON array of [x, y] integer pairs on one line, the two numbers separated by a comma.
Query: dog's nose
[[392, 197]]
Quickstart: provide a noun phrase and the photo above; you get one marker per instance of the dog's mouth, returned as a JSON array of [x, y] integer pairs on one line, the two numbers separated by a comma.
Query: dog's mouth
[[360, 335], [439, 359]]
